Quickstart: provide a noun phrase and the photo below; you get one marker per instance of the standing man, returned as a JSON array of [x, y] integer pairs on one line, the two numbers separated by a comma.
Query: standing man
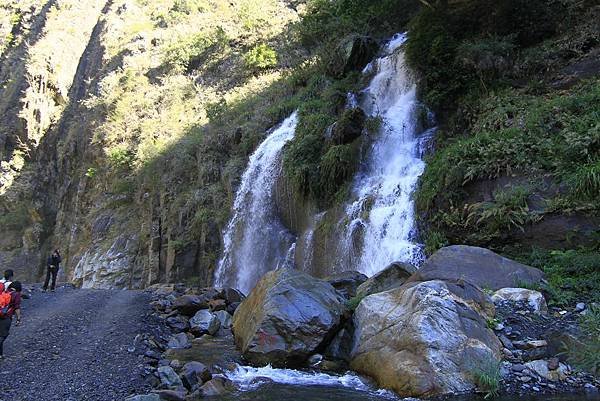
[[53, 266]]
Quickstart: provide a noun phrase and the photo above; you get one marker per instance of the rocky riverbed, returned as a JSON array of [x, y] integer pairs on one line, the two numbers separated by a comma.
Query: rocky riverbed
[[422, 333]]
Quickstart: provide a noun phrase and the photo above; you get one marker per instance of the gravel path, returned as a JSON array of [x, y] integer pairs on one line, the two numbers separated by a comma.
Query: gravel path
[[73, 346]]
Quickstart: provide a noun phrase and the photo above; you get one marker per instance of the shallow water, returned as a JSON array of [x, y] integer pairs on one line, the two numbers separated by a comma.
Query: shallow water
[[287, 392]]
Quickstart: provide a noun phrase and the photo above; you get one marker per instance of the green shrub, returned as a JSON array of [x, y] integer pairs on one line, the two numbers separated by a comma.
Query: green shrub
[[487, 376], [261, 57], [434, 241], [573, 275], [186, 54], [586, 356], [353, 302], [337, 166]]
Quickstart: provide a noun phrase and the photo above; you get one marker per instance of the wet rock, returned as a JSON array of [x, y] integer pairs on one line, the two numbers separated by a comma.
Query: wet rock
[[348, 128], [352, 54], [231, 308], [346, 282], [169, 378], [530, 344], [217, 305], [341, 345], [179, 341], [216, 386], [231, 295], [225, 318], [193, 374], [204, 322], [534, 299], [286, 317], [178, 323], [407, 338], [188, 305], [392, 276], [171, 395], [479, 266]]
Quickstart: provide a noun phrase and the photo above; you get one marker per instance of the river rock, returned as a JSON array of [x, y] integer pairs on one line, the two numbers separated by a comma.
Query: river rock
[[346, 282], [217, 305], [286, 317], [169, 378], [479, 266], [540, 367], [178, 323], [534, 299], [225, 318], [144, 397], [179, 341], [216, 386], [424, 339], [392, 276], [193, 374], [231, 295], [188, 305], [171, 395], [204, 322]]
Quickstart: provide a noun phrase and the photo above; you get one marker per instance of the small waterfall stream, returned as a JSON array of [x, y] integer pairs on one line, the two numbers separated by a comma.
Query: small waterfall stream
[[382, 213], [255, 241]]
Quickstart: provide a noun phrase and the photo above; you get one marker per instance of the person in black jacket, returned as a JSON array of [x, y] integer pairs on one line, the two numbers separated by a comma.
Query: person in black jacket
[[53, 264]]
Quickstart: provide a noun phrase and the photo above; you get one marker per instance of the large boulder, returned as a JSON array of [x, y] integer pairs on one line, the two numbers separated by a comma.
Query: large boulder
[[353, 53], [479, 266], [392, 276], [346, 282], [204, 322], [424, 339], [534, 299], [188, 305], [286, 318]]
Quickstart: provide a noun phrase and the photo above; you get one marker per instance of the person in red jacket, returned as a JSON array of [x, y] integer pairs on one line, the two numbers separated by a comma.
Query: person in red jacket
[[14, 309]]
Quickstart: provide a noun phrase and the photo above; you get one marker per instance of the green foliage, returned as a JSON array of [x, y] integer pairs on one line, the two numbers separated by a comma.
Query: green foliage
[[187, 53], [337, 166], [586, 355], [261, 57], [508, 210], [518, 133], [487, 377], [91, 172], [121, 158], [573, 275], [434, 241], [329, 20], [353, 302]]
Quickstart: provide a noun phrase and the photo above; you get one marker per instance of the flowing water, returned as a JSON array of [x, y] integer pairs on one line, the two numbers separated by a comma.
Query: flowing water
[[255, 241], [382, 213]]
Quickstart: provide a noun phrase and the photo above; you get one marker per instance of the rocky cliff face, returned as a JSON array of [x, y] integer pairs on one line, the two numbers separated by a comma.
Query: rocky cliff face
[[92, 94]]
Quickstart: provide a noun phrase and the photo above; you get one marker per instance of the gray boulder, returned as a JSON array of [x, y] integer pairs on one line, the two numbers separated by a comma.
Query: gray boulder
[[392, 276], [479, 266], [424, 339], [144, 397], [188, 305], [224, 318], [194, 374], [346, 282], [286, 317], [179, 341], [204, 322], [169, 378]]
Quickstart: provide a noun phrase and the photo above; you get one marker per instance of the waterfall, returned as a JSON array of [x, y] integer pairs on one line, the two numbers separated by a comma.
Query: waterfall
[[255, 241], [382, 213]]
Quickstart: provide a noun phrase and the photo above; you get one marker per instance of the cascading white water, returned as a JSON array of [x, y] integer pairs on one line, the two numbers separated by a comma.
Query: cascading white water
[[382, 214], [255, 241]]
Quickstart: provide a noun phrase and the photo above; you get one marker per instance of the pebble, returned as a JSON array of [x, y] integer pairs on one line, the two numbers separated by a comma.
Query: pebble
[[580, 307], [534, 388], [517, 367], [525, 379]]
